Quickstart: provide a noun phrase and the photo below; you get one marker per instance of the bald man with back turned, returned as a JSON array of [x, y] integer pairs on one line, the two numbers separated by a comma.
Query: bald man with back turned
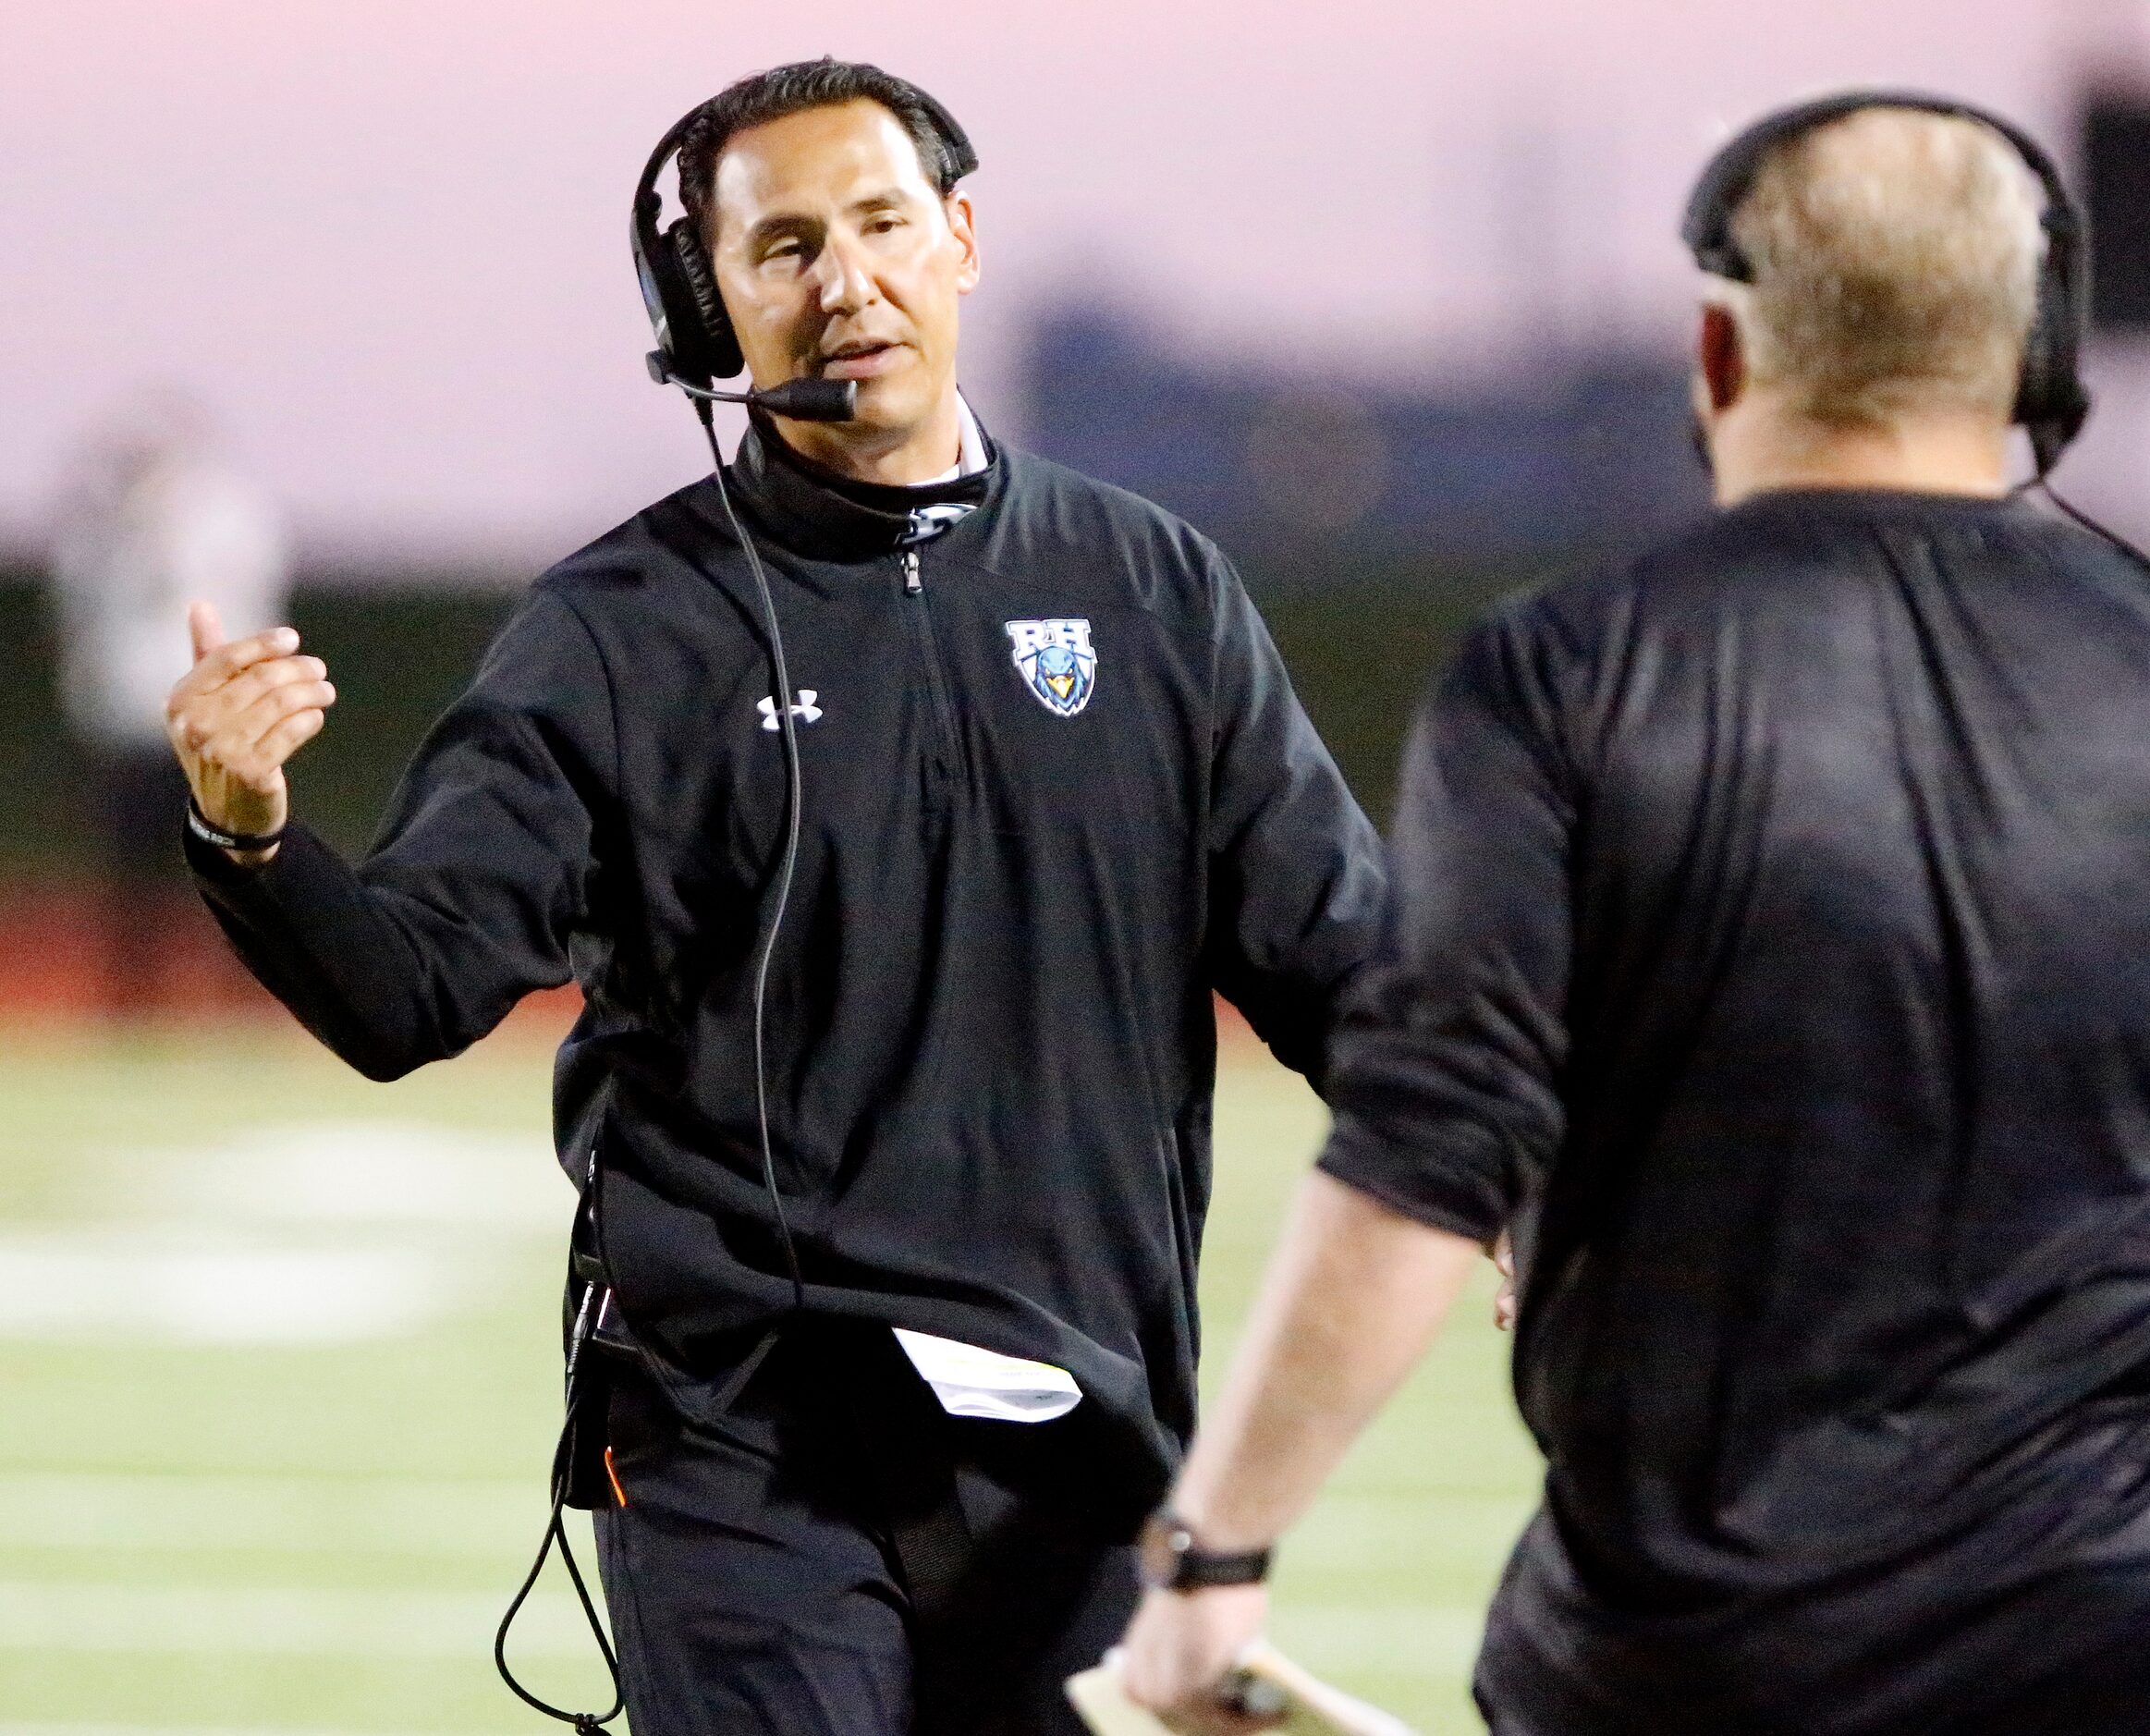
[[1773, 963]]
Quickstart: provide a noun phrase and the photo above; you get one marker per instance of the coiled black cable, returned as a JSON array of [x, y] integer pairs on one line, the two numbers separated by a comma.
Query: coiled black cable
[[585, 1723]]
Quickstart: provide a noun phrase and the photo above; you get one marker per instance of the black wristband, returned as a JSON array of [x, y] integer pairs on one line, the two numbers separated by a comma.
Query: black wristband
[[1171, 1559], [199, 825]]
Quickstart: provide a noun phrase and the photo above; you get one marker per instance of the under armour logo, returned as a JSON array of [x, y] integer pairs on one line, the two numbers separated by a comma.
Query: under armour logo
[[805, 709]]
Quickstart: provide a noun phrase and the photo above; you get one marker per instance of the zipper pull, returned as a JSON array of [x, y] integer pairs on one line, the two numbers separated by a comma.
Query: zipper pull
[[912, 584]]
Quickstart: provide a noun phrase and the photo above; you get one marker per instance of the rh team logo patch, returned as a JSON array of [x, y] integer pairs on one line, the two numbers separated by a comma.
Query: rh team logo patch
[[1055, 662]]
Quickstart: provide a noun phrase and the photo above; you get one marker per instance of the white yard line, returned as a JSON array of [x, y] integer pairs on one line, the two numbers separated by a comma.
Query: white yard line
[[63, 1616], [362, 1515], [180, 1729], [303, 1234]]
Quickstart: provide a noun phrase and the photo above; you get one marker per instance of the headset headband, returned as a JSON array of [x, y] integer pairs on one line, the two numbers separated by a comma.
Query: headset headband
[[696, 344], [2051, 401]]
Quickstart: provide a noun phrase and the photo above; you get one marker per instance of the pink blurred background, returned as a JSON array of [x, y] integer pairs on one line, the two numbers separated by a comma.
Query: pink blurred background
[[383, 240]]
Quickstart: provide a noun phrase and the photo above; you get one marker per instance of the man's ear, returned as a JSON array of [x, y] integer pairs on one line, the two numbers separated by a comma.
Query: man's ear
[[964, 226], [1721, 362]]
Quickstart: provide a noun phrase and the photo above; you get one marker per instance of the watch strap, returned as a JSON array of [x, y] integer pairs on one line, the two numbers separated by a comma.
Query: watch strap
[[1199, 1566], [1174, 1559]]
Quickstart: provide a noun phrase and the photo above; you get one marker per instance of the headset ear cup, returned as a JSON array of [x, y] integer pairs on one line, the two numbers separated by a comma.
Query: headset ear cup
[[723, 349], [2033, 384], [2046, 371], [2051, 401]]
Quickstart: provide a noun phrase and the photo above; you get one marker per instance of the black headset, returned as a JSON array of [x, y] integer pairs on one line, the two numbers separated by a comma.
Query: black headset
[[696, 344], [2051, 399]]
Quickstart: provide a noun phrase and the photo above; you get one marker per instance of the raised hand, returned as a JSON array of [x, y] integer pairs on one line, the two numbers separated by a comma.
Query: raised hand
[[234, 719]]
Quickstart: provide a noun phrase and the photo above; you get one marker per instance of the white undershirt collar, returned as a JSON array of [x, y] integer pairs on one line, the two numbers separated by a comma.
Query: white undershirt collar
[[970, 451]]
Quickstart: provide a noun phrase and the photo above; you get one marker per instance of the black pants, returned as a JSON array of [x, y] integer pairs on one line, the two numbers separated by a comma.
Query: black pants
[[835, 1554]]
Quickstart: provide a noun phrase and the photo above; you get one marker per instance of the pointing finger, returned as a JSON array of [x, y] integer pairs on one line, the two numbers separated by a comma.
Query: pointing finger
[[204, 628]]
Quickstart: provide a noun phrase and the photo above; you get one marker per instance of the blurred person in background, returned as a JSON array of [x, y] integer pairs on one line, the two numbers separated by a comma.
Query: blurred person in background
[[1057, 794], [1774, 959], [156, 515]]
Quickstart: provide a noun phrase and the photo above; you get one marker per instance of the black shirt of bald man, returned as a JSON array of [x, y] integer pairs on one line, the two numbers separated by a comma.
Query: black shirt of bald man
[[1774, 957]]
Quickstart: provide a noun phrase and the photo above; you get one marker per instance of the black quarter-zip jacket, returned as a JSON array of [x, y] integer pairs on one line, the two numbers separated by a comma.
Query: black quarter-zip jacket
[[990, 1038]]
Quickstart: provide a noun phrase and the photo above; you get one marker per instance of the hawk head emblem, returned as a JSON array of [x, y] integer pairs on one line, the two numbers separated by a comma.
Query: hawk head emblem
[[1055, 661]]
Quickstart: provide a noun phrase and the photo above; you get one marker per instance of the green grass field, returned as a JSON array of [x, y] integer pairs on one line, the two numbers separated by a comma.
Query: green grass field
[[278, 1383]]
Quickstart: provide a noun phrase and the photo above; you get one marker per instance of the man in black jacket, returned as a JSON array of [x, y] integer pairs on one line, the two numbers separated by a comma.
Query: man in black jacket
[[1057, 792], [1774, 960]]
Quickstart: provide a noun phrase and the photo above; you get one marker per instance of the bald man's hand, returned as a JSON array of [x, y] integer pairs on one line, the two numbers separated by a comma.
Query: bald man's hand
[[234, 719]]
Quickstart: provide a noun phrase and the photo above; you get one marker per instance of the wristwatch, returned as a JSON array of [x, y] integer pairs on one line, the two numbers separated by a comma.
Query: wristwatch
[[1172, 1560]]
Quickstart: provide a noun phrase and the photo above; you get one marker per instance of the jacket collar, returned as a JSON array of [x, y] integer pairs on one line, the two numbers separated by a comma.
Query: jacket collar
[[812, 511]]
